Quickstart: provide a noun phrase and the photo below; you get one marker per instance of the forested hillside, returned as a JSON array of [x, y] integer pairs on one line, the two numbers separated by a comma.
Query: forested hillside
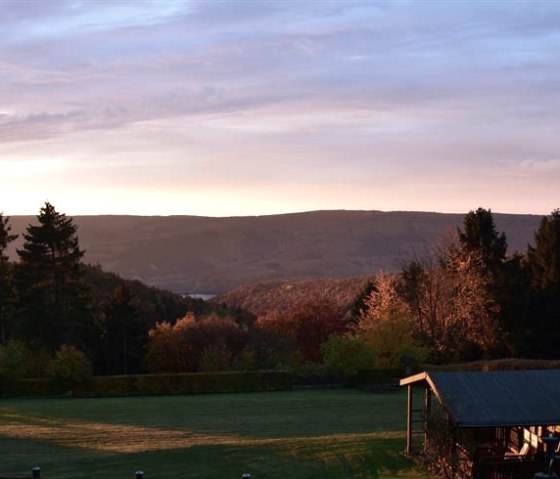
[[276, 296], [189, 254]]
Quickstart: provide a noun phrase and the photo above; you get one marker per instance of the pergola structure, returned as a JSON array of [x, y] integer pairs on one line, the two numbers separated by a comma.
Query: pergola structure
[[504, 415]]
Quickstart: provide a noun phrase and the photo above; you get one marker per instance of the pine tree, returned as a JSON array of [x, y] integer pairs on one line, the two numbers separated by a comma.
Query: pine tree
[[508, 278], [544, 257], [544, 264], [480, 235], [52, 299], [125, 335], [6, 286]]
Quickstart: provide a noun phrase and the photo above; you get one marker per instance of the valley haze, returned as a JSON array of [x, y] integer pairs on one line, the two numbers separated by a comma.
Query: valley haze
[[197, 254]]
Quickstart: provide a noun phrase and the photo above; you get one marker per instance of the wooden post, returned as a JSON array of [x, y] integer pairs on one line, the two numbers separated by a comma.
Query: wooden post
[[36, 472], [427, 412], [453, 438], [408, 449]]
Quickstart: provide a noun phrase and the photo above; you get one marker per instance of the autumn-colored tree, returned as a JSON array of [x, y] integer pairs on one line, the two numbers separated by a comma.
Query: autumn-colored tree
[[182, 346], [163, 348], [274, 342], [449, 296], [307, 324], [386, 325], [316, 320], [507, 279], [471, 312]]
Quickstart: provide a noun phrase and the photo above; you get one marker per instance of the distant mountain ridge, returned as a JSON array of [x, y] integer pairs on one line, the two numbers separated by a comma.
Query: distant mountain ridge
[[209, 255]]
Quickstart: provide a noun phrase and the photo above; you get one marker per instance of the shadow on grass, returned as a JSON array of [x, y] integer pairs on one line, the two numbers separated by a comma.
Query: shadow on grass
[[327, 457]]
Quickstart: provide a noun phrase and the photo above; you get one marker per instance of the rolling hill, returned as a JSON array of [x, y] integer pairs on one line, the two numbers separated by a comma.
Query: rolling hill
[[189, 254], [266, 297]]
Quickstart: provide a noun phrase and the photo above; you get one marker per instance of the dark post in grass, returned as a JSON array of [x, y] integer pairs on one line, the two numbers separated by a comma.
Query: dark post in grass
[[139, 474], [36, 472], [246, 476]]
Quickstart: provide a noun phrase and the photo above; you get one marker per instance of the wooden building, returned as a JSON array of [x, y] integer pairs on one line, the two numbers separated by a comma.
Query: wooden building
[[484, 425]]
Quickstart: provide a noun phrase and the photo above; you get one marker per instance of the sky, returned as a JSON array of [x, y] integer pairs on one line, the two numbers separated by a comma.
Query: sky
[[253, 107]]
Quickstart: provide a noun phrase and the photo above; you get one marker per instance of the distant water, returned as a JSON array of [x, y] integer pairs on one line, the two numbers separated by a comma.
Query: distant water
[[204, 296]]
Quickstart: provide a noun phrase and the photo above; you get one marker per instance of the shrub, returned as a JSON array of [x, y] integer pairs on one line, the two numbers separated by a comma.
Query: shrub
[[215, 357], [346, 355], [393, 344], [18, 361], [70, 367]]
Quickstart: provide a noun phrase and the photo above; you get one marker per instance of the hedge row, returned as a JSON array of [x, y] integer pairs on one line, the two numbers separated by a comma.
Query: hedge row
[[156, 384]]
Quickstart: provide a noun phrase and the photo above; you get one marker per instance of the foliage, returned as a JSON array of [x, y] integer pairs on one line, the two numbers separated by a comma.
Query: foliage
[[384, 303], [359, 304], [274, 345], [480, 235], [309, 324], [180, 347], [386, 326], [544, 265], [466, 287], [53, 302], [146, 307], [17, 361], [216, 357], [154, 304], [544, 257], [276, 297], [345, 356], [395, 346], [507, 280], [69, 367], [124, 333], [7, 293], [449, 296]]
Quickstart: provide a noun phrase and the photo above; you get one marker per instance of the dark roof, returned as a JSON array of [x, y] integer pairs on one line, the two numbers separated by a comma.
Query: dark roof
[[497, 398]]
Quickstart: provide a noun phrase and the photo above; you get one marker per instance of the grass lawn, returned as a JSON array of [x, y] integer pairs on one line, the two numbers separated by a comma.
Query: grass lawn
[[293, 434]]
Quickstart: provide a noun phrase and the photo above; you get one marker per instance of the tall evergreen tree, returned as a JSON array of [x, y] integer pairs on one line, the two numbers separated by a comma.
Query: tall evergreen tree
[[480, 235], [125, 334], [544, 257], [508, 277], [52, 299], [544, 264], [6, 286]]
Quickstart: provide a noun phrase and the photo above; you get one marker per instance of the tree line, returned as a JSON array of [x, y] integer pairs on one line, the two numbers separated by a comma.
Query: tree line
[[50, 299], [464, 299], [467, 299]]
